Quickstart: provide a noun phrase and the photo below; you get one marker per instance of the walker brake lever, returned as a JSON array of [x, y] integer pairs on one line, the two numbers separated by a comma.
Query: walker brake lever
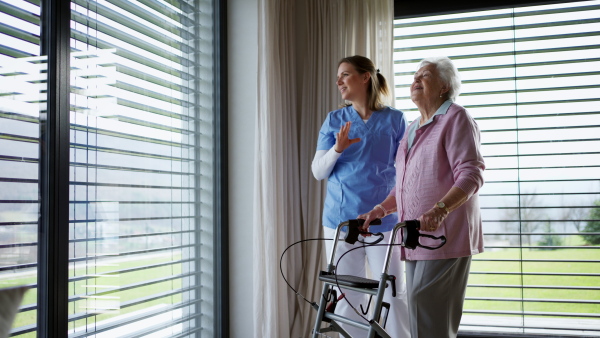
[[411, 240], [392, 280]]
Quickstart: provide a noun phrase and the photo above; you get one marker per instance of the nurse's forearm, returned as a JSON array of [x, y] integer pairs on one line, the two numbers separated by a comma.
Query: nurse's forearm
[[323, 163]]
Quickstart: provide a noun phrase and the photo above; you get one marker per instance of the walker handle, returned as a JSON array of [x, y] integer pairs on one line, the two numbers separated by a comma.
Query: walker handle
[[359, 222], [411, 241], [353, 232]]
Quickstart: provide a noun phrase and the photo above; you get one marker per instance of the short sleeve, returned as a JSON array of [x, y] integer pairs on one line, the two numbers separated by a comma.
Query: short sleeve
[[326, 135]]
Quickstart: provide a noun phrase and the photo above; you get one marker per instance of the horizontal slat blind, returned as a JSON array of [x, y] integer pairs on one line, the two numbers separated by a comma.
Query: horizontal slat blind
[[531, 78], [142, 161], [22, 99], [141, 168]]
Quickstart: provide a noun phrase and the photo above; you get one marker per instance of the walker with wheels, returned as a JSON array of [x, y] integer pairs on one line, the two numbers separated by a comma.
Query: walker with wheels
[[375, 323]]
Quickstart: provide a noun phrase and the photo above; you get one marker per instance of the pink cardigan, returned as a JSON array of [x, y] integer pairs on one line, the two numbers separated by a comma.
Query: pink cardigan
[[445, 154]]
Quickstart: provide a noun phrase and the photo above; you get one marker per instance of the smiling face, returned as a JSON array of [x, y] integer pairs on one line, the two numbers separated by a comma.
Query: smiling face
[[427, 85], [351, 84]]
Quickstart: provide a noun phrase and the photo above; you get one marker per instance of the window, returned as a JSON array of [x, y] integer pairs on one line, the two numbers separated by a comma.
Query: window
[[142, 171], [22, 99], [531, 78]]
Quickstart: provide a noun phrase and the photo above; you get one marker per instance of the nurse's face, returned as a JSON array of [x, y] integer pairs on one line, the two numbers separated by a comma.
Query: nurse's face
[[351, 84]]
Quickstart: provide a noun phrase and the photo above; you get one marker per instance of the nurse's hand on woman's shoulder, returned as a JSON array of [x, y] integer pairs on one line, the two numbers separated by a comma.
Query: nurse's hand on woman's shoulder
[[342, 142]]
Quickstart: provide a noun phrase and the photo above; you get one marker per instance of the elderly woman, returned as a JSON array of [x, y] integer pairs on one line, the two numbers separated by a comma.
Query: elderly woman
[[438, 174]]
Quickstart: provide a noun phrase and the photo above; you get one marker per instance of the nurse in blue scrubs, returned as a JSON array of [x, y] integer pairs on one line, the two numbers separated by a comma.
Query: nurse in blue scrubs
[[355, 153]]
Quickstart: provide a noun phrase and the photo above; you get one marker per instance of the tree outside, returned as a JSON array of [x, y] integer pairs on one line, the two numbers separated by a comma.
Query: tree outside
[[593, 225], [550, 240], [525, 219]]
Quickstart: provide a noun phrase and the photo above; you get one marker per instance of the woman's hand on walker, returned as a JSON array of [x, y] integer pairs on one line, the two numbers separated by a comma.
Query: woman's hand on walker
[[432, 219], [342, 142], [375, 213]]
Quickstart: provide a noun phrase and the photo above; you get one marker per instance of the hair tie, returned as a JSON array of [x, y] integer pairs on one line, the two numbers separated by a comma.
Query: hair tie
[[377, 70]]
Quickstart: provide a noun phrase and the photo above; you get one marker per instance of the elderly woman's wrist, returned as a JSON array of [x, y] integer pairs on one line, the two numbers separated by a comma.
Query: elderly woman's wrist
[[443, 207], [382, 209]]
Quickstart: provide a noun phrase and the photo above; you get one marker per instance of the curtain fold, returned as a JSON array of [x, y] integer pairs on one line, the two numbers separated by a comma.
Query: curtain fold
[[276, 199], [299, 48]]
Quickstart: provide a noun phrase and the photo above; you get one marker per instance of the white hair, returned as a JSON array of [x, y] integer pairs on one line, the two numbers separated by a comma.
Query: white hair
[[448, 73]]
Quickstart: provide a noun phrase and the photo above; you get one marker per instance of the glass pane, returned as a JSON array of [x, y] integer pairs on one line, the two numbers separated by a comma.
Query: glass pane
[[141, 168], [22, 99]]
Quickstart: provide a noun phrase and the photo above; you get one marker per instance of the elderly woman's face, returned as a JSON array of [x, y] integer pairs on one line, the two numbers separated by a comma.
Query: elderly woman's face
[[427, 85]]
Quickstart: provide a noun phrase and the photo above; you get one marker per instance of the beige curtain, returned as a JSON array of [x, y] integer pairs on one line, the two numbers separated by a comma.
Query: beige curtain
[[300, 43], [277, 220]]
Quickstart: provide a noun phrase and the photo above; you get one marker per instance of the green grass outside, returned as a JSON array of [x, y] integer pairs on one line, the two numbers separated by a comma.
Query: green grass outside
[[589, 254], [584, 254], [29, 317]]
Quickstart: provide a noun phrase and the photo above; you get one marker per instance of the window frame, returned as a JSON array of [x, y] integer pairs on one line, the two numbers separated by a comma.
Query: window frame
[[412, 9], [53, 232]]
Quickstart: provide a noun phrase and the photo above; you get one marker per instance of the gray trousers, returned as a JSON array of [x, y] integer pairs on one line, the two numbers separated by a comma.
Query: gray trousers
[[436, 293]]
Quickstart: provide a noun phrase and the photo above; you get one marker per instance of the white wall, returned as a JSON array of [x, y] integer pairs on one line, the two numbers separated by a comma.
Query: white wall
[[242, 49]]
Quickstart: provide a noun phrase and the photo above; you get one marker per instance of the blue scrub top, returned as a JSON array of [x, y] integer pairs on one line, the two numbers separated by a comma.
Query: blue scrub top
[[364, 174]]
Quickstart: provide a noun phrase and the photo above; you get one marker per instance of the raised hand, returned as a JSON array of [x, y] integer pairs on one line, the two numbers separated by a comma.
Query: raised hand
[[342, 142]]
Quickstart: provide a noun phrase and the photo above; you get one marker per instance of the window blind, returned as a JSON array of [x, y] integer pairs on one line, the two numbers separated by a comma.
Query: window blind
[[141, 255], [530, 78], [22, 77]]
